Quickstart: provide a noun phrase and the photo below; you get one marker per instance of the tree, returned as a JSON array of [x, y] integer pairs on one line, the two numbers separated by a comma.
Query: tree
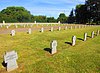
[[16, 14], [51, 19], [62, 18], [93, 6], [71, 18], [81, 14]]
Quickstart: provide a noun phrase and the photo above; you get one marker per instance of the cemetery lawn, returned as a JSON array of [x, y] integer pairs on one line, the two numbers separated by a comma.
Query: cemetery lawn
[[34, 56]]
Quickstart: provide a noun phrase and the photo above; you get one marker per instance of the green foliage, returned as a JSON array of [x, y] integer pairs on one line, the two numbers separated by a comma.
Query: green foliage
[[81, 14], [20, 14], [71, 18], [16, 14], [51, 19], [62, 18]]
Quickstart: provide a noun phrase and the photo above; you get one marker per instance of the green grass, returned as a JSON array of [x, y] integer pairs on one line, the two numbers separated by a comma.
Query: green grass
[[84, 57]]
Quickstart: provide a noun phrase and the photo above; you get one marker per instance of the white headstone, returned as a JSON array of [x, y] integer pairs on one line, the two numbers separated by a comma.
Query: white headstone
[[51, 28], [70, 27], [29, 31], [85, 36], [3, 22], [13, 32], [42, 29], [10, 58], [79, 26], [92, 34], [75, 27], [59, 28], [31, 25], [35, 22], [53, 47], [66, 28], [24, 26], [98, 32], [16, 26], [73, 40], [7, 26], [1, 25]]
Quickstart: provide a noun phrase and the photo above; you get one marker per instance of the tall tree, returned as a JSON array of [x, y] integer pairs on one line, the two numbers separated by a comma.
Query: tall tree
[[71, 18], [93, 6], [81, 14]]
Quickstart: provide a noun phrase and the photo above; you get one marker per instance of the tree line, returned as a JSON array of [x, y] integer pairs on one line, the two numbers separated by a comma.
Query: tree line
[[83, 13]]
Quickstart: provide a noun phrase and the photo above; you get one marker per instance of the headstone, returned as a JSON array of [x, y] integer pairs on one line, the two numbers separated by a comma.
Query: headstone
[[10, 58], [13, 32], [16, 26], [70, 27], [98, 32], [7, 27], [92, 34], [3, 22], [47, 24], [79, 26], [1, 25], [73, 40], [42, 29], [66, 28], [75, 27], [85, 36], [59, 28], [53, 47], [29, 31], [31, 25], [24, 26], [51, 28], [35, 22]]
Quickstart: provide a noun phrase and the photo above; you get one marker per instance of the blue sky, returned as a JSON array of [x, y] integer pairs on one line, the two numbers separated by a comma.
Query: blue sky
[[43, 7]]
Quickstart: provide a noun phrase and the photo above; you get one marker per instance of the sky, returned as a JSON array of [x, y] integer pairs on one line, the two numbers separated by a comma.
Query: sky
[[49, 8]]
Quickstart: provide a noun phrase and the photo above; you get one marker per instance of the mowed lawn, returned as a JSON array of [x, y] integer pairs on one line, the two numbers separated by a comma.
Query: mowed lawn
[[34, 56]]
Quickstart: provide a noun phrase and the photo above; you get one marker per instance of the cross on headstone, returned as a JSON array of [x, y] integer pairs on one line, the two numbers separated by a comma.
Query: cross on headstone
[[85, 36], [13, 32], [53, 47], [73, 40], [10, 58], [29, 31], [92, 34]]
